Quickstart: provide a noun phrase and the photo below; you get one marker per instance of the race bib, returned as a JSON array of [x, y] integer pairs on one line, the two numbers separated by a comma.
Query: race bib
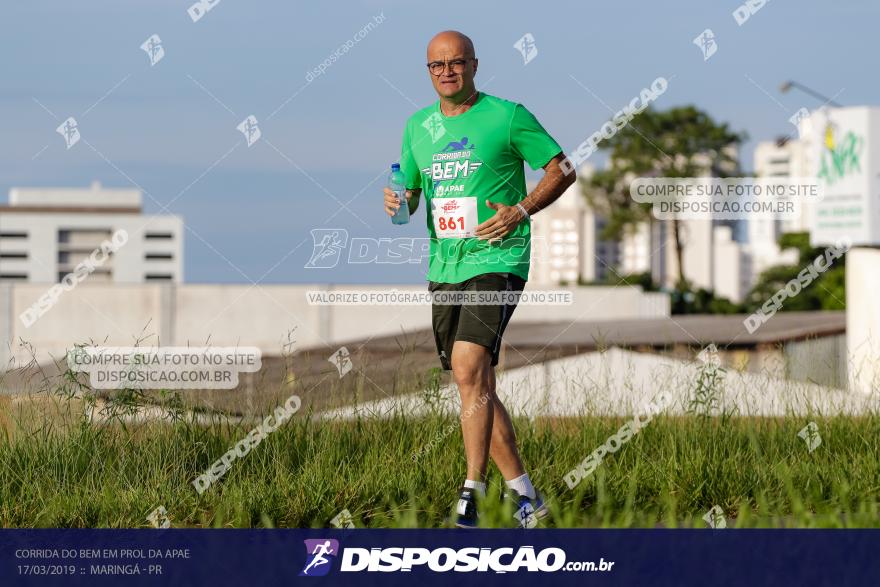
[[454, 217]]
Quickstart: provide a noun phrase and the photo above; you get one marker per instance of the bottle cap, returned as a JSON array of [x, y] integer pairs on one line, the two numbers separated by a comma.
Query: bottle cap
[[395, 166]]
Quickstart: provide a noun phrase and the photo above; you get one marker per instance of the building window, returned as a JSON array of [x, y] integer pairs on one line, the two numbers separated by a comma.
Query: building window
[[13, 256], [96, 276], [13, 234], [11, 276], [158, 235], [83, 238], [158, 277], [158, 256]]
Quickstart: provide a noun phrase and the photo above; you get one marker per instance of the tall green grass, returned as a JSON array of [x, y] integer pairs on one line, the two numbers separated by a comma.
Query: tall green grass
[[670, 474]]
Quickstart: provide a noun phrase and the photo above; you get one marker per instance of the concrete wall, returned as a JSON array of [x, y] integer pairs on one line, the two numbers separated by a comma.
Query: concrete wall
[[620, 383], [263, 316], [820, 360]]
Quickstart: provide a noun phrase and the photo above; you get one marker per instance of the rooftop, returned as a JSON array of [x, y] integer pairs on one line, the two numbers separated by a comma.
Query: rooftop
[[693, 330], [95, 199]]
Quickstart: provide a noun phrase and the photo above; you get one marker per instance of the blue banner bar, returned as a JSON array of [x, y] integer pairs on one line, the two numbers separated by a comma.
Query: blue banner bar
[[436, 557]]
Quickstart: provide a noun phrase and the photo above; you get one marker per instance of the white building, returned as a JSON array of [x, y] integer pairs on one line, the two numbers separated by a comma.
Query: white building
[[725, 257], [566, 243], [783, 157], [46, 232], [712, 259], [635, 250], [733, 267]]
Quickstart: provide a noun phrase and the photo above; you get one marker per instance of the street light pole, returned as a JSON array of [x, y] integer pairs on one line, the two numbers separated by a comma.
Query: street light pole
[[786, 86]]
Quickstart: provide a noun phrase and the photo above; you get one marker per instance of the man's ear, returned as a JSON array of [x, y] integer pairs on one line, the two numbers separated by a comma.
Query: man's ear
[[476, 64]]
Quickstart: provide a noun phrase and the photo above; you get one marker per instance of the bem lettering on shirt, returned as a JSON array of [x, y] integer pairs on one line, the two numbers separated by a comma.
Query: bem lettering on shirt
[[479, 155]]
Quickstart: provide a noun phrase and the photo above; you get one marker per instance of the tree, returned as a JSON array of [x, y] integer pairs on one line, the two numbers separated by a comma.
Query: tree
[[825, 293], [676, 143]]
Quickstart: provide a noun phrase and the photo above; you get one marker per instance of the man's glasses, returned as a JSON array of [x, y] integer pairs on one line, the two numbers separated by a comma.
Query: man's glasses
[[455, 66]]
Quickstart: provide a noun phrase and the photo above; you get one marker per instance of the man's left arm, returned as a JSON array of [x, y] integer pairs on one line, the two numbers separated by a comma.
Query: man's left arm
[[548, 190]]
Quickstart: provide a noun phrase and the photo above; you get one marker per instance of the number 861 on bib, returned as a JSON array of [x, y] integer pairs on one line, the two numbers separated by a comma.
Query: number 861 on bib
[[454, 217]]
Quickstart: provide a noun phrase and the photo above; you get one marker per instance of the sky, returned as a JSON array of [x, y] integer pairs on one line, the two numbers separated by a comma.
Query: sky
[[327, 140]]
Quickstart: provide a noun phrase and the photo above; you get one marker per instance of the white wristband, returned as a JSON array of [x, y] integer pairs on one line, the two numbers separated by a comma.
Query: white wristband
[[523, 210]]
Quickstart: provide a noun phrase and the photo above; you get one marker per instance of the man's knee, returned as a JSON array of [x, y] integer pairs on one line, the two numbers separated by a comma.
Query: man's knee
[[470, 377], [471, 367]]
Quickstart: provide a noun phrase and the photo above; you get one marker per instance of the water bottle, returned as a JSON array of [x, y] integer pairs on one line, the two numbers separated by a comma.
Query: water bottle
[[395, 184]]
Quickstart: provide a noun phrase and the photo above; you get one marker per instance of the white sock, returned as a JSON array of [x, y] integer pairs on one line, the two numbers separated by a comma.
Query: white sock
[[523, 486], [477, 486]]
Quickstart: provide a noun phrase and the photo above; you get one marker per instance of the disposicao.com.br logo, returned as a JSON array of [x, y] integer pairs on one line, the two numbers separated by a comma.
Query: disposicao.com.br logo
[[441, 560]]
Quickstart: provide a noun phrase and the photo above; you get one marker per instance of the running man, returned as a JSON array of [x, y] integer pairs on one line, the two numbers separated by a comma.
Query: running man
[[465, 152], [319, 552]]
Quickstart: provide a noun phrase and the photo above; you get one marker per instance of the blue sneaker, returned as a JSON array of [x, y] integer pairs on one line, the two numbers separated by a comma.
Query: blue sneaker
[[529, 511], [466, 510]]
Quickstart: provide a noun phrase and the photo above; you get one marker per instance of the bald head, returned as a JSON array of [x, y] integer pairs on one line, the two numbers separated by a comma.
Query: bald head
[[455, 65], [451, 41]]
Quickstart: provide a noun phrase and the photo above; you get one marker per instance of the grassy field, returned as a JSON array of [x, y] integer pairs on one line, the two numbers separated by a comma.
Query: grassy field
[[58, 469]]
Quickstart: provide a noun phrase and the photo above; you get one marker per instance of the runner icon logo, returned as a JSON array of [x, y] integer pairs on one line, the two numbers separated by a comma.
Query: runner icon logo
[[328, 244], [319, 555]]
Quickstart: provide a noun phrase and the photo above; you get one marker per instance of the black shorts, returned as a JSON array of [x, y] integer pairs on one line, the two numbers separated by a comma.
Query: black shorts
[[483, 324]]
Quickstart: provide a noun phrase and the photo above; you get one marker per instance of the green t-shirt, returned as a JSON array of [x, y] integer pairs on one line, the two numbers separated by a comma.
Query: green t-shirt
[[459, 162]]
